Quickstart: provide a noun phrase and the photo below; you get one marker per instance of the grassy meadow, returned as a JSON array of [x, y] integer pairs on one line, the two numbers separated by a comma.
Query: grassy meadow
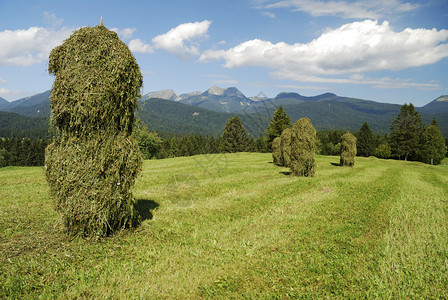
[[237, 226]]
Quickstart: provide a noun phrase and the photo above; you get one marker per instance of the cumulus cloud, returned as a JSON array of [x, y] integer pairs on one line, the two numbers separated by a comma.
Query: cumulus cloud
[[125, 33], [51, 19], [352, 48], [137, 45], [7, 94], [25, 47], [346, 9], [182, 40]]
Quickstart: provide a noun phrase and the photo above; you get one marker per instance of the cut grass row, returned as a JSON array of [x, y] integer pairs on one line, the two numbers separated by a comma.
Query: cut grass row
[[235, 226]]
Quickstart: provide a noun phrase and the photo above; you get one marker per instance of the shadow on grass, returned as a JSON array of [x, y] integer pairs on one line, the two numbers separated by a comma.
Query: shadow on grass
[[336, 164], [287, 173], [144, 208]]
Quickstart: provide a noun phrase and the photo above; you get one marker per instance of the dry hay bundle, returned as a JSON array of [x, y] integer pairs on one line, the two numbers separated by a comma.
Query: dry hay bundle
[[97, 82], [276, 151], [285, 145], [303, 146], [348, 150], [93, 164]]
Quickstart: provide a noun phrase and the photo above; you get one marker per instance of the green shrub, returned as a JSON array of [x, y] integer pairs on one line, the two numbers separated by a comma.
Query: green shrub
[[383, 151], [348, 150], [93, 164], [303, 146]]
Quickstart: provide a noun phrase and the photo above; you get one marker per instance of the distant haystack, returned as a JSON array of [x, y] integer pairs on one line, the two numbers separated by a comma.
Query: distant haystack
[[348, 150], [303, 146], [277, 151], [285, 146]]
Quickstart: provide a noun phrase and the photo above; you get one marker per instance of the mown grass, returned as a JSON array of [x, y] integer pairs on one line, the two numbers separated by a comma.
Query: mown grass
[[236, 226]]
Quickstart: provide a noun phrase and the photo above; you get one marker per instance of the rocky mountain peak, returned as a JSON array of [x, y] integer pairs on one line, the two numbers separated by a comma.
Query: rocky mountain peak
[[215, 90]]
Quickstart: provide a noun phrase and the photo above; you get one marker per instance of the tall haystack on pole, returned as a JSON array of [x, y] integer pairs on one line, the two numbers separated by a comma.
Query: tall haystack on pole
[[348, 150], [277, 151], [285, 146], [92, 165], [303, 147]]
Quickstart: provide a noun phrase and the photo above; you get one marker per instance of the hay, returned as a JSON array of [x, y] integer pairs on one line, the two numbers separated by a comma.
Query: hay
[[303, 146], [348, 150], [92, 165], [276, 151], [285, 146]]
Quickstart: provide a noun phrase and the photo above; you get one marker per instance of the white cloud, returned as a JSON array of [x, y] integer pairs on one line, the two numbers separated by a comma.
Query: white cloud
[[25, 47], [2, 81], [352, 48], [268, 14], [226, 81], [382, 83], [182, 40], [7, 94], [139, 46], [125, 33], [50, 18], [347, 9]]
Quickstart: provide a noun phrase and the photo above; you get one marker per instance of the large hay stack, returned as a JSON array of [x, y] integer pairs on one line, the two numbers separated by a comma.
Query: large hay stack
[[92, 165]]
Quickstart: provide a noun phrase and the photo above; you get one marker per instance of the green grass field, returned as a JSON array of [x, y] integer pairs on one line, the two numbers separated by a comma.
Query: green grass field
[[237, 226]]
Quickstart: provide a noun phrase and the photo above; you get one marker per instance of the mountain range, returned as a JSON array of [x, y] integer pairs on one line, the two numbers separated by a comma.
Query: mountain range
[[206, 112]]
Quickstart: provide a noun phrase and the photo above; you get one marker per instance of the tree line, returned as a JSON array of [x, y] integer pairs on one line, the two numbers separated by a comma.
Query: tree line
[[22, 152], [409, 140], [233, 139]]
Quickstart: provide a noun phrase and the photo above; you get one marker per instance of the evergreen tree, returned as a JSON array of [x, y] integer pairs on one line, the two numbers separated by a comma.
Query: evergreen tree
[[280, 120], [261, 144], [365, 143], [303, 146], [25, 153], [234, 138], [348, 150], [434, 149], [407, 133], [4, 157]]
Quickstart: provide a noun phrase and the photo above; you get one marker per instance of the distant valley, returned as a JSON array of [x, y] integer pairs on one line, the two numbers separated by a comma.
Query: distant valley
[[207, 112]]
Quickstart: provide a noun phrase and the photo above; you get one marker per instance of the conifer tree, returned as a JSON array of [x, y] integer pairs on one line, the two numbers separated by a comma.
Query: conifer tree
[[348, 150], [280, 120], [365, 143], [303, 146], [407, 133], [434, 149], [234, 138]]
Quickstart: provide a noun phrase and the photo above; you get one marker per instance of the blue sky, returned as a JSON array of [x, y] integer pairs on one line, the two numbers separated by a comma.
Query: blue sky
[[392, 51]]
